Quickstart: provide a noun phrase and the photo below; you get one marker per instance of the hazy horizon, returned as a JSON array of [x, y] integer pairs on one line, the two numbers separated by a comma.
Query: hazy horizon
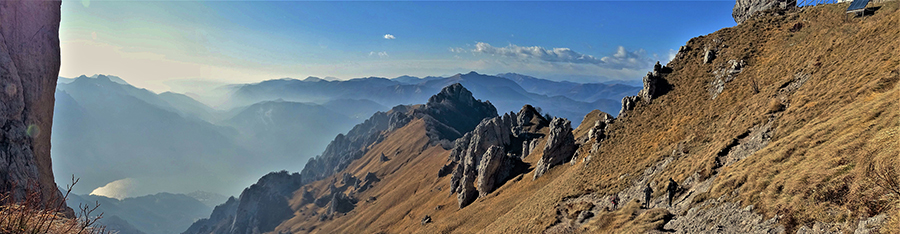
[[155, 42]]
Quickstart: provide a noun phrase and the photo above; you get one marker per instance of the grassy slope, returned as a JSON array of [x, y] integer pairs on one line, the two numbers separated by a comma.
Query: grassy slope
[[844, 117]]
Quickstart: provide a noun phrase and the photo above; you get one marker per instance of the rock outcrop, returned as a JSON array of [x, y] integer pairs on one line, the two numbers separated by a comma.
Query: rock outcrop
[[483, 159], [492, 170], [655, 85], [745, 9], [260, 208], [29, 66], [490, 134], [725, 75], [560, 146]]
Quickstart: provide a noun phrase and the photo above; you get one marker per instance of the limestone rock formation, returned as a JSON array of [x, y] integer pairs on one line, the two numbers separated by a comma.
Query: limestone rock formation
[[29, 66], [488, 134], [493, 168], [745, 9], [598, 132], [654, 85], [560, 146], [482, 160], [628, 103], [260, 208]]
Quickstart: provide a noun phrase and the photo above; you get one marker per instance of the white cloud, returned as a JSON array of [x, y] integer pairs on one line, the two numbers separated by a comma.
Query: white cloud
[[389, 36], [622, 58], [536, 52], [381, 54], [457, 50]]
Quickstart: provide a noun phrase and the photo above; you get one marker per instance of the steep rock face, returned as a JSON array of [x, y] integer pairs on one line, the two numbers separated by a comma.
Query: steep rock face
[[483, 159], [744, 9], [488, 134], [560, 146], [29, 66], [493, 168], [260, 208]]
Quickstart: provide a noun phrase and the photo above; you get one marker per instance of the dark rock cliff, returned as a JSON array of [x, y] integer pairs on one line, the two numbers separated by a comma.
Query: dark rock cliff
[[260, 208], [29, 66]]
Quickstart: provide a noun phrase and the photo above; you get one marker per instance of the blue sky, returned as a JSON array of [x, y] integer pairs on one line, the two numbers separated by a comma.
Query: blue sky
[[153, 43]]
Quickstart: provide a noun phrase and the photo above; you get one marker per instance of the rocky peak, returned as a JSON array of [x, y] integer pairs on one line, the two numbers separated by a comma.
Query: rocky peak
[[745, 9], [560, 146], [456, 108]]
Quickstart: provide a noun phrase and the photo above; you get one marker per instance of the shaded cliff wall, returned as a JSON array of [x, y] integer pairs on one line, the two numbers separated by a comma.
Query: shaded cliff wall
[[29, 65]]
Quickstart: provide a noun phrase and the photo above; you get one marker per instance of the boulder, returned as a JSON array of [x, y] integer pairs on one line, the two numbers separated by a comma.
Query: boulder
[[745, 9], [709, 55], [340, 203], [560, 146], [628, 103]]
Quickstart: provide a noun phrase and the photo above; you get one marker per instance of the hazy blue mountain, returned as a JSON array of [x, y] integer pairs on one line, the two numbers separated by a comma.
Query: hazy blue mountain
[[153, 139], [588, 92], [287, 132], [112, 78], [190, 107], [161, 213], [504, 93], [414, 80], [208, 198], [104, 131], [358, 109]]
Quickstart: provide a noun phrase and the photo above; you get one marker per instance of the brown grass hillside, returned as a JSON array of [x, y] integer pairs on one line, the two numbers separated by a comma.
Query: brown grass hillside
[[827, 93]]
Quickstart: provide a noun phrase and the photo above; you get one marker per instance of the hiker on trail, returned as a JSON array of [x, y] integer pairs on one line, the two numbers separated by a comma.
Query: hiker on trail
[[672, 188], [647, 192], [614, 199]]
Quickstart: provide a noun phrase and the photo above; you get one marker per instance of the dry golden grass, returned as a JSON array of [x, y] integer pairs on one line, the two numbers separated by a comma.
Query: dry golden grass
[[32, 214]]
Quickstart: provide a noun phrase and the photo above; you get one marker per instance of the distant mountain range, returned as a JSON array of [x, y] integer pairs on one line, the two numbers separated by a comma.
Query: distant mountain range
[[102, 121], [158, 138], [107, 130], [507, 92]]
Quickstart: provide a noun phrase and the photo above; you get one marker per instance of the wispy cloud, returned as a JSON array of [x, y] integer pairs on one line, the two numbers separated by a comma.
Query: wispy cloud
[[527, 52], [622, 58], [389, 36], [380, 54]]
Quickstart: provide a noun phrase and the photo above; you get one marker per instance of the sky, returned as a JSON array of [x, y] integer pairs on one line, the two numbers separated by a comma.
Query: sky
[[160, 44]]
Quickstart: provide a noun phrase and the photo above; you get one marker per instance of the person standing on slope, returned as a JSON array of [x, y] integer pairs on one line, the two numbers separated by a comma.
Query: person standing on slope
[[672, 188], [647, 193]]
